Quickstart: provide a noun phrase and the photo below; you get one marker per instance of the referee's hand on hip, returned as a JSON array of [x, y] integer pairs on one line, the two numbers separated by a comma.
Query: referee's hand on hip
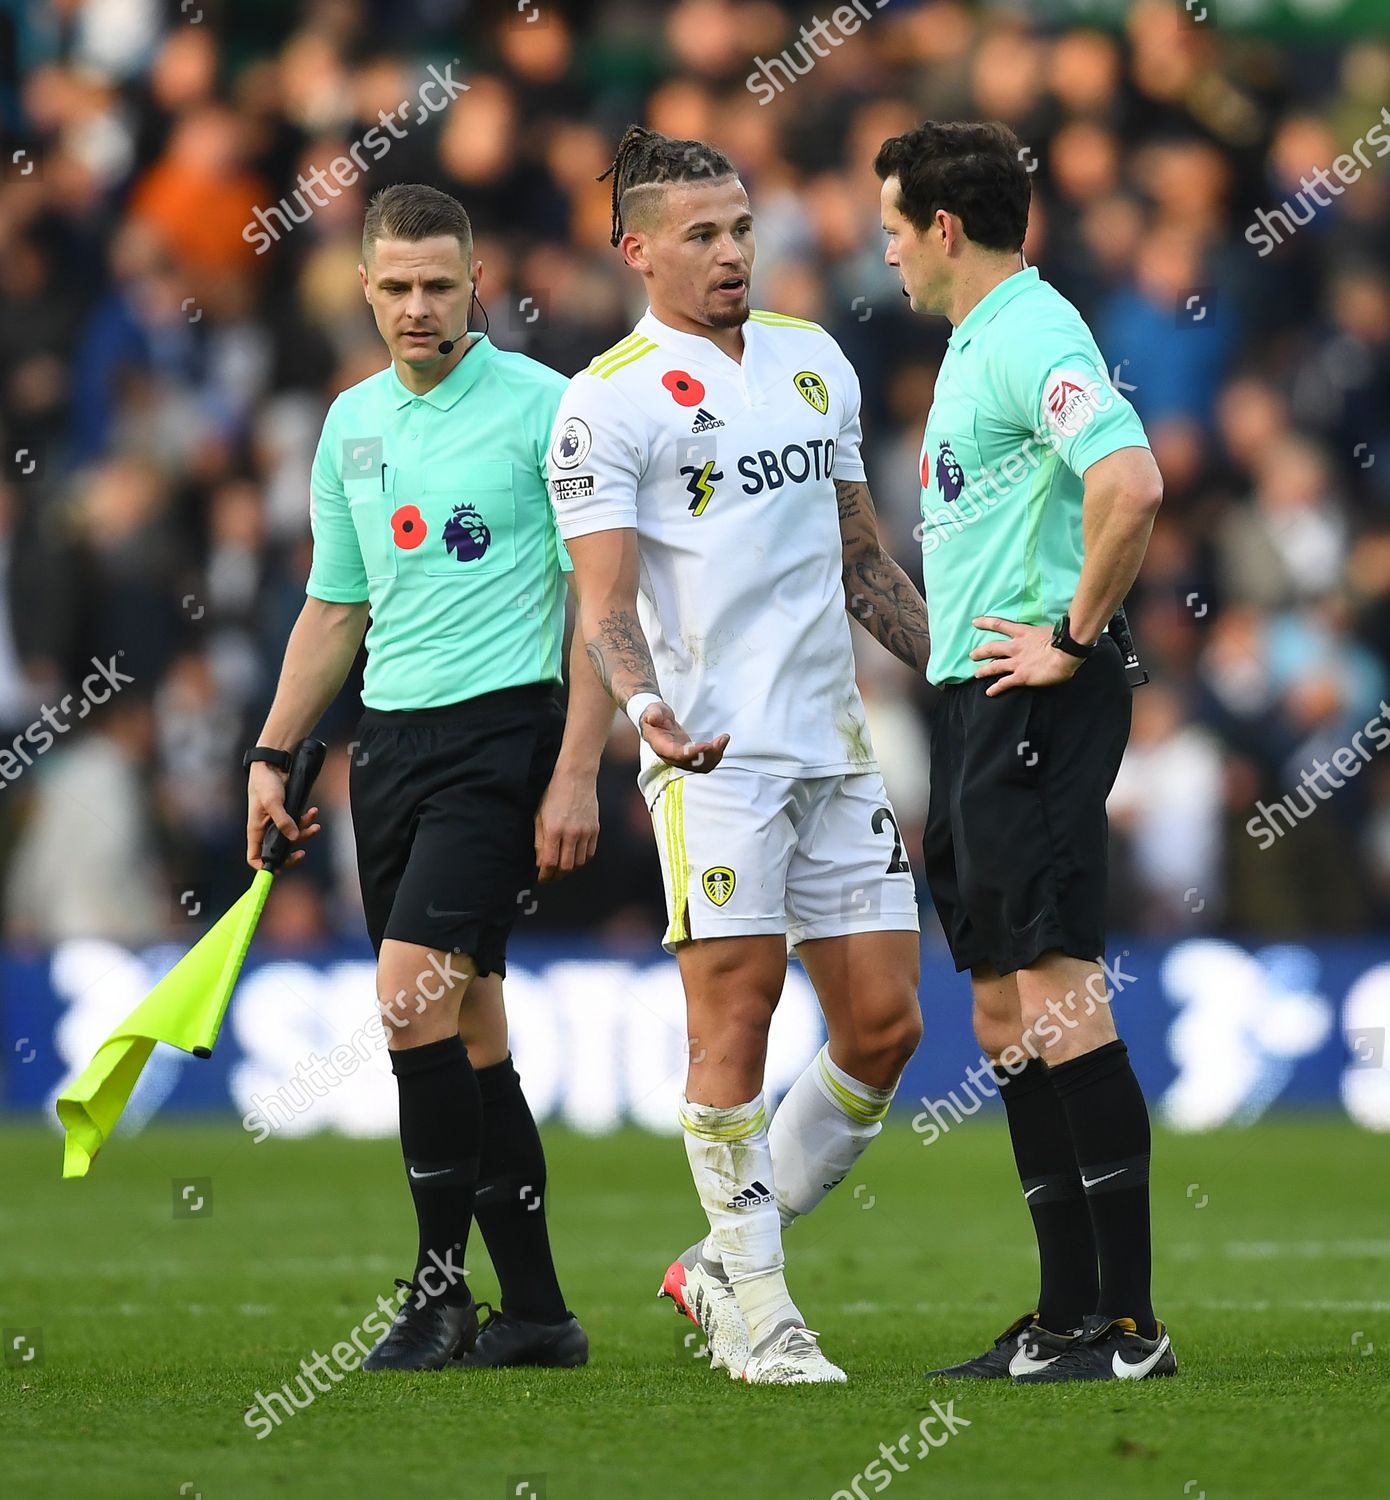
[[1025, 658], [265, 804]]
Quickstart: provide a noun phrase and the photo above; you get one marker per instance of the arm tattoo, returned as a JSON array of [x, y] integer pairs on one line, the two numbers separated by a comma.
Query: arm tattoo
[[847, 494], [881, 597], [622, 658], [877, 591]]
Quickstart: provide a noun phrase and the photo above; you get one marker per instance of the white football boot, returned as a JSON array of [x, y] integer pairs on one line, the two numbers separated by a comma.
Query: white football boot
[[791, 1356], [700, 1290]]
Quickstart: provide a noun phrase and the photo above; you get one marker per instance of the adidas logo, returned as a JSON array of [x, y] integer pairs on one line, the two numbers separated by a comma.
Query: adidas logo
[[704, 421], [750, 1197]]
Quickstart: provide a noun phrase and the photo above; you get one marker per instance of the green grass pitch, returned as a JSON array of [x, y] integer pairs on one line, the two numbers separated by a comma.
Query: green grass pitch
[[157, 1331]]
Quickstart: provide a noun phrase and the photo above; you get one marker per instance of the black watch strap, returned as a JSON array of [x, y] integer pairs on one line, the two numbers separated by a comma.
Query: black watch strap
[[1062, 639], [282, 760]]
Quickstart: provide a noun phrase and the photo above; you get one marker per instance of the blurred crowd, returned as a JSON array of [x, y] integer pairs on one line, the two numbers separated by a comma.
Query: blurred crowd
[[164, 385]]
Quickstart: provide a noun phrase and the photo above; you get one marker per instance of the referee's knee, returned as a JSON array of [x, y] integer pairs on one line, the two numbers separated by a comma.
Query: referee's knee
[[418, 992], [996, 1034]]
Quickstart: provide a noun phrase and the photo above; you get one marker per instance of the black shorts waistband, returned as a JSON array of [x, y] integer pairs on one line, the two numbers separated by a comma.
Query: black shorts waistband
[[526, 692]]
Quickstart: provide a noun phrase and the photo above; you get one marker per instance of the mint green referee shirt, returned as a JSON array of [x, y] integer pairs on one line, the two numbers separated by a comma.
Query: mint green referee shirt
[[435, 509], [1022, 408]]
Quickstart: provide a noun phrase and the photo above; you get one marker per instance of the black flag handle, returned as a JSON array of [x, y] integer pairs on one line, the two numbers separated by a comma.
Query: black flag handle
[[305, 766]]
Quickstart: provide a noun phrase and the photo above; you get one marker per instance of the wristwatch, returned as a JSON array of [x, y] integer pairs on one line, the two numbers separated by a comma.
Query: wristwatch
[[282, 760], [1062, 639]]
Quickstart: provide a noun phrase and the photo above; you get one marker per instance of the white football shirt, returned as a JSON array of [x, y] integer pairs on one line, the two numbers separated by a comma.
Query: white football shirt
[[725, 469]]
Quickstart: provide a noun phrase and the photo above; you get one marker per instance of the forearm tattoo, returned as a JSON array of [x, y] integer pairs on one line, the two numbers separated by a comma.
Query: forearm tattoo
[[877, 591], [621, 657]]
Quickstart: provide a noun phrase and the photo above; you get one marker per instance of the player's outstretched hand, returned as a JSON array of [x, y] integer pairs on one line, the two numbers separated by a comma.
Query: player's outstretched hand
[[664, 734], [265, 804], [566, 825], [1026, 656]]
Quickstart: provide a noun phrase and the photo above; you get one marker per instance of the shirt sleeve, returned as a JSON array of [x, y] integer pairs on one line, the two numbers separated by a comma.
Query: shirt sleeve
[[541, 420], [598, 453], [849, 464], [1061, 391], [338, 574]]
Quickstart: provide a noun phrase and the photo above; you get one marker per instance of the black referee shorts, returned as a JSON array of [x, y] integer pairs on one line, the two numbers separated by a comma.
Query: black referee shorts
[[443, 809], [1015, 843]]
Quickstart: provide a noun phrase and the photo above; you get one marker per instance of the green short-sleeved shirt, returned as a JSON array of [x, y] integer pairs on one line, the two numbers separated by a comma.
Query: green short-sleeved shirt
[[1022, 408], [435, 509]]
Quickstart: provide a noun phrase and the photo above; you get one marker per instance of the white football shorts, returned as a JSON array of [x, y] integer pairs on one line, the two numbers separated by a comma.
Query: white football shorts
[[745, 853]]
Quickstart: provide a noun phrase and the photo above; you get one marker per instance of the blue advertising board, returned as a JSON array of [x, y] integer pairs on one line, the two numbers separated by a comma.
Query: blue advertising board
[[1220, 1032]]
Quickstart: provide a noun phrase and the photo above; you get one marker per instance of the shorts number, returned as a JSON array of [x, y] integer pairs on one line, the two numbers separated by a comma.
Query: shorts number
[[897, 865]]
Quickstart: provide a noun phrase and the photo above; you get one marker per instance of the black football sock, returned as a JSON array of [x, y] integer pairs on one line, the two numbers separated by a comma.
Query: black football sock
[[510, 1206], [441, 1118], [1052, 1189], [1110, 1133]]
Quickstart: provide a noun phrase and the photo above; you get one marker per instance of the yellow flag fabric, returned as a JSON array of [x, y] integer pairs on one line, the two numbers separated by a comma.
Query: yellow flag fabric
[[184, 1009]]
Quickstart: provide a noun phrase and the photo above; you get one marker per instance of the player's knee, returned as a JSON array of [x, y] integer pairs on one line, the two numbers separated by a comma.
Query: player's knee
[[896, 1050], [743, 1018], [903, 1034], [878, 1052]]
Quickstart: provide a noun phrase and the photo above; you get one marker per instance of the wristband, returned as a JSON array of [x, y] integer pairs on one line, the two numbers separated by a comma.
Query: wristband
[[1063, 640], [282, 760], [637, 705]]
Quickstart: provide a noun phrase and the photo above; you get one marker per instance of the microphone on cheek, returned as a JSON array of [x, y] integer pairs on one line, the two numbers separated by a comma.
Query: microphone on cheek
[[447, 346]]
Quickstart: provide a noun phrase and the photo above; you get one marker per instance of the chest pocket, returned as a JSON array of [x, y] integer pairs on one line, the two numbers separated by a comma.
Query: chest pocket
[[952, 490], [371, 508], [470, 522]]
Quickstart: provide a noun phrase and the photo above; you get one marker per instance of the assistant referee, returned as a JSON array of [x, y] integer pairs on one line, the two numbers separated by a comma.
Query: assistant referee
[[432, 523], [1038, 497]]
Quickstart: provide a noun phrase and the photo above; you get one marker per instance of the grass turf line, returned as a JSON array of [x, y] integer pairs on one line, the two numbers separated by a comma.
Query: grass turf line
[[158, 1331]]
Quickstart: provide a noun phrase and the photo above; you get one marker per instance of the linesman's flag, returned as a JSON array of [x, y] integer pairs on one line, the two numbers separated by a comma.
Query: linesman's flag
[[186, 1007]]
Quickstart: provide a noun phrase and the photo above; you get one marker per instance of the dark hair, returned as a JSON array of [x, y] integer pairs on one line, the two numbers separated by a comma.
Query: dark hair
[[970, 169], [412, 211], [646, 158]]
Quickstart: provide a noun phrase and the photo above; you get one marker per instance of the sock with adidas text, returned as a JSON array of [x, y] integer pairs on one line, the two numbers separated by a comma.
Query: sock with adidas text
[[731, 1163]]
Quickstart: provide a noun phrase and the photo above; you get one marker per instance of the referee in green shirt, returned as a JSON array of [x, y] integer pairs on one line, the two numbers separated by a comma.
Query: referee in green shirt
[[1038, 496], [434, 537]]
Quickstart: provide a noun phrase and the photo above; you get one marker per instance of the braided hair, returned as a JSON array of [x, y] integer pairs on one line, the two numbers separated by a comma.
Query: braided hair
[[646, 158]]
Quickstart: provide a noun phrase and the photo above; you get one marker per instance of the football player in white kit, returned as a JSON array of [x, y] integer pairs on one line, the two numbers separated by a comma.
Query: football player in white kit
[[707, 480]]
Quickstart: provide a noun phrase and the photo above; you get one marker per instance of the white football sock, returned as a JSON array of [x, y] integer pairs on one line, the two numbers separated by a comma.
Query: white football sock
[[732, 1166], [820, 1130]]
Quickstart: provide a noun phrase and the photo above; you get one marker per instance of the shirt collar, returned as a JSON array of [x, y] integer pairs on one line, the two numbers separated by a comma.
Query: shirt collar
[[991, 304], [456, 384], [691, 345]]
